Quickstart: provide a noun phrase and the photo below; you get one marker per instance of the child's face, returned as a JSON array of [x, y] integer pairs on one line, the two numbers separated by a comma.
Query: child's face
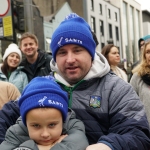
[[44, 125]]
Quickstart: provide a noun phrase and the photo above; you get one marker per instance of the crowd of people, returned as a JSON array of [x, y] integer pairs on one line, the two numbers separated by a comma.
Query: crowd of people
[[74, 103]]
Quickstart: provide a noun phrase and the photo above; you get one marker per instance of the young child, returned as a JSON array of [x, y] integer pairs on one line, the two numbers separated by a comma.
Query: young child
[[50, 124]]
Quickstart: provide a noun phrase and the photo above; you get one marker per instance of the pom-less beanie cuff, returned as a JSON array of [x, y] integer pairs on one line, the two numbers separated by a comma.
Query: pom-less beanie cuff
[[43, 93], [46, 100], [73, 31]]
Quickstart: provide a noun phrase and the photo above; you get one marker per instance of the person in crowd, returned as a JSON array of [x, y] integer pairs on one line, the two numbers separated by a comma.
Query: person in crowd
[[141, 78], [36, 62], [141, 43], [95, 38], [112, 55], [10, 70], [113, 115], [47, 120], [8, 92]]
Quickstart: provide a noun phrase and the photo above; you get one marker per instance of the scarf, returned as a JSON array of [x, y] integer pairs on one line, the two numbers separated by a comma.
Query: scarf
[[146, 79]]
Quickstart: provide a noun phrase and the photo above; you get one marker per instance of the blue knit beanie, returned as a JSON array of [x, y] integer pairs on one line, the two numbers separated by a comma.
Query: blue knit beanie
[[146, 38], [43, 93], [73, 30]]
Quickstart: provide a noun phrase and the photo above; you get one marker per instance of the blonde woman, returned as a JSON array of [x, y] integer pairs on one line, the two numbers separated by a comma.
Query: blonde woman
[[141, 79]]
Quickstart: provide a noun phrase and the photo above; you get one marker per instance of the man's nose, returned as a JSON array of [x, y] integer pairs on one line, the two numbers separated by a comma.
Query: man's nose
[[70, 58]]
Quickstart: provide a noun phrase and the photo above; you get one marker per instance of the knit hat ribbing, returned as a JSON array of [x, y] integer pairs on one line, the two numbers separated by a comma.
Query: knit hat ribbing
[[43, 93], [73, 30], [146, 38], [12, 48]]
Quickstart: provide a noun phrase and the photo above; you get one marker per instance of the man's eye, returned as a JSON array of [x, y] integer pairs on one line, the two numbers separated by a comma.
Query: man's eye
[[36, 126], [78, 50], [61, 52]]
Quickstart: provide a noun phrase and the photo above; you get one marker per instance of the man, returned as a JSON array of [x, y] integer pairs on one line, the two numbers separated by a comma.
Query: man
[[141, 43], [36, 62], [112, 113]]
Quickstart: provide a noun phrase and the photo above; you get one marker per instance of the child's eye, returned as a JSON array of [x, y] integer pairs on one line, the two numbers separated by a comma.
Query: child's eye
[[52, 125]]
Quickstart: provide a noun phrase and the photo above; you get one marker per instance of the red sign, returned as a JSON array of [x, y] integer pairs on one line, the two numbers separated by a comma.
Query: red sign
[[4, 7]]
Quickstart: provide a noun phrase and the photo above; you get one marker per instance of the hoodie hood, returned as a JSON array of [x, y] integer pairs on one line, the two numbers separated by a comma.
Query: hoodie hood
[[100, 67]]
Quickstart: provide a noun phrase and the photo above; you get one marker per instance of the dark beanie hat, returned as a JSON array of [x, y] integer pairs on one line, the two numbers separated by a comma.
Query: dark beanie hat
[[73, 30], [43, 93]]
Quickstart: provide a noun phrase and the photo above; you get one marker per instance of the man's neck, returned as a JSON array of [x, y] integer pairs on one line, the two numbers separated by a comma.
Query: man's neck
[[32, 59]]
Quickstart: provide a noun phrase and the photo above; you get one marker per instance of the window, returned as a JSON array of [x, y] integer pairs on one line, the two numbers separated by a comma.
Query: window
[[102, 45], [93, 24], [101, 28], [100, 9], [48, 41], [116, 19], [110, 31], [92, 5], [117, 33], [109, 15]]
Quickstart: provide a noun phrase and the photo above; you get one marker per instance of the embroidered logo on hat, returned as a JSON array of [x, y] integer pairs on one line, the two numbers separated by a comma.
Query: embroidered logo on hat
[[41, 101], [62, 42], [59, 42], [73, 40], [55, 103]]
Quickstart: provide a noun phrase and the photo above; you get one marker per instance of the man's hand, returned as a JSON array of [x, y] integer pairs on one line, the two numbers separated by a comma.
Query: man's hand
[[98, 146]]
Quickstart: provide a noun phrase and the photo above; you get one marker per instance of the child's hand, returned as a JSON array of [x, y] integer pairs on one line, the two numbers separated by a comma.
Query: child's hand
[[41, 147], [60, 139]]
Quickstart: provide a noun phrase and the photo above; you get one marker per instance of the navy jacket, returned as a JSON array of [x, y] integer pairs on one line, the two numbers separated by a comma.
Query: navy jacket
[[41, 66], [8, 115], [110, 121]]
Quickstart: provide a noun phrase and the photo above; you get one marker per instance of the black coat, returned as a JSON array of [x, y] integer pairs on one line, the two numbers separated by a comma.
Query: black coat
[[41, 67]]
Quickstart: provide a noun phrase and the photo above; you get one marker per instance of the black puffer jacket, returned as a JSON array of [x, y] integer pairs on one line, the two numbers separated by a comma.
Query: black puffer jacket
[[42, 66]]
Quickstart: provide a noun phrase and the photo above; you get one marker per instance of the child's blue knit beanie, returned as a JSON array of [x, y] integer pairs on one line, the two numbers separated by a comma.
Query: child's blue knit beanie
[[43, 93], [73, 30]]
